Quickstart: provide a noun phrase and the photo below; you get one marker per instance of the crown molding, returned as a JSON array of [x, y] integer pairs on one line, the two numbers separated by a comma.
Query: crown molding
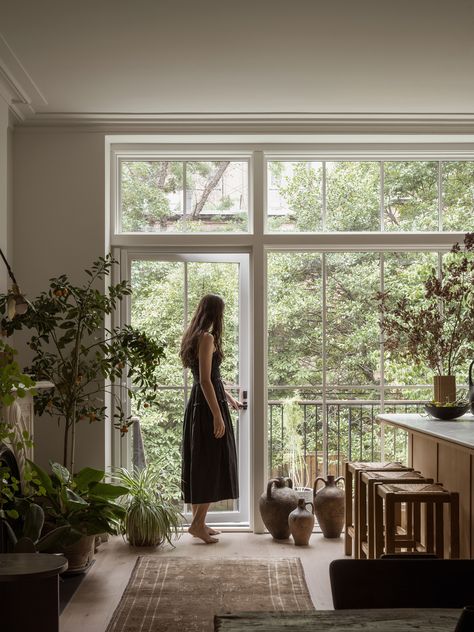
[[17, 88], [271, 122]]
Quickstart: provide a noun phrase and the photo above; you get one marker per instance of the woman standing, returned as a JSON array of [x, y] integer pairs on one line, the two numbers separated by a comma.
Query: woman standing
[[209, 465]]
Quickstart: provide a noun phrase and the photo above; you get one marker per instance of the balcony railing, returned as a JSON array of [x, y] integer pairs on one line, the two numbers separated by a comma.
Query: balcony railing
[[304, 450]]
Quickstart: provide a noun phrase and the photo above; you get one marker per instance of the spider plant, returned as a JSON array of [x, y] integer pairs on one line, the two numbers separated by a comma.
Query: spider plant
[[150, 518]]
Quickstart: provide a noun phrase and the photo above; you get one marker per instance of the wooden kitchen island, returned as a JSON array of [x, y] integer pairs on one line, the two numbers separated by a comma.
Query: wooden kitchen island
[[444, 451]]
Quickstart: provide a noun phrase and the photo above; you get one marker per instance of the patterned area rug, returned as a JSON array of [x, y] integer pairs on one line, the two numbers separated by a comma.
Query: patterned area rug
[[183, 594]]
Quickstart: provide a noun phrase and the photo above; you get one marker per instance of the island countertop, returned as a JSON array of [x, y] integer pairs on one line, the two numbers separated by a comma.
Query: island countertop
[[459, 431]]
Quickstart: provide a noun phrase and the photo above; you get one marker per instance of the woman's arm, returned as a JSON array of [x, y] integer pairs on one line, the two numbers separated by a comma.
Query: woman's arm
[[206, 349]]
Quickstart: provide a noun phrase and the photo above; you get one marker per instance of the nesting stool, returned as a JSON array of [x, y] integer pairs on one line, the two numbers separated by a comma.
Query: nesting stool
[[434, 497], [352, 471], [366, 512]]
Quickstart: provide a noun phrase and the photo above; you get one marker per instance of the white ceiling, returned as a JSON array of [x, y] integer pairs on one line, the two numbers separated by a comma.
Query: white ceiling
[[217, 56]]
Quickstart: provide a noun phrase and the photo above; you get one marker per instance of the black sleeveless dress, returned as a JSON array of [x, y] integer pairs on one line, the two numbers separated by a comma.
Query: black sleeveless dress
[[209, 465]]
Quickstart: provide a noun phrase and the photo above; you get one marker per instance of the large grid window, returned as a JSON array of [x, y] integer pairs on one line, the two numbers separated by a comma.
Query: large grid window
[[324, 232]]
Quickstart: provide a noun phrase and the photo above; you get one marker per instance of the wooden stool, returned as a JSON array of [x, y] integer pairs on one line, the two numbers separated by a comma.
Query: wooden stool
[[414, 494], [366, 512], [352, 471]]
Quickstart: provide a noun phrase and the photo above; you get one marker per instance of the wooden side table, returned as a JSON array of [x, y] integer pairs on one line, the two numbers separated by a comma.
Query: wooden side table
[[29, 591]]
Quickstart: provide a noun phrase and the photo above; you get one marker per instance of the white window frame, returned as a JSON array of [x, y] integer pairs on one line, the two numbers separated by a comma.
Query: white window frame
[[258, 148]]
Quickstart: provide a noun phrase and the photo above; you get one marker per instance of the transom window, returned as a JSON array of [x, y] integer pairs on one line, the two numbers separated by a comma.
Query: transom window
[[183, 196], [398, 196]]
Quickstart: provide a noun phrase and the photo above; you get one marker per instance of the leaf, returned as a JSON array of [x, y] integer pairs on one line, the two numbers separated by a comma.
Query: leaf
[[43, 476], [61, 472], [34, 521], [107, 490], [87, 476], [75, 500], [47, 542], [12, 513]]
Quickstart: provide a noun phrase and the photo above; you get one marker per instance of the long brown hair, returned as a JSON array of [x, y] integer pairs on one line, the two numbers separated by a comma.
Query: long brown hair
[[207, 317]]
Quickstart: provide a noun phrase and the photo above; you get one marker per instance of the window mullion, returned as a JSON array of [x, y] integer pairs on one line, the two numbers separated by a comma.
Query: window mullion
[[324, 207], [324, 364], [440, 196], [382, 194]]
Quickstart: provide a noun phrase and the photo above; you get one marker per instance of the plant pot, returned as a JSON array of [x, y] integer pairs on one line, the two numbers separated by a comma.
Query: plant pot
[[80, 554], [301, 523], [329, 506], [444, 388], [276, 504]]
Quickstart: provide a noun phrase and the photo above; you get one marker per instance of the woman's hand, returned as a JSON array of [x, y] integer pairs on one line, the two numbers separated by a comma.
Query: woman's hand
[[234, 403], [219, 426]]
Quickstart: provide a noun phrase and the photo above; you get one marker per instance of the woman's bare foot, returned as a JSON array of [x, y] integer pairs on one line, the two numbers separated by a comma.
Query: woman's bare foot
[[203, 534], [212, 531]]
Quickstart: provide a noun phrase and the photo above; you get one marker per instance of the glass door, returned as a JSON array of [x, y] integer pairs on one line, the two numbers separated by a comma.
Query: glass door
[[166, 291]]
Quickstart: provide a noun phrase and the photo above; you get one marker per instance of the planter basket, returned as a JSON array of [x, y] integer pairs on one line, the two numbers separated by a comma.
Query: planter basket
[[444, 388]]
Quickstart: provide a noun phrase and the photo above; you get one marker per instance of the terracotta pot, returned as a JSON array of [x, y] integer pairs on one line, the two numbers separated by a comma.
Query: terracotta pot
[[301, 523], [80, 554], [329, 506], [444, 388], [276, 504]]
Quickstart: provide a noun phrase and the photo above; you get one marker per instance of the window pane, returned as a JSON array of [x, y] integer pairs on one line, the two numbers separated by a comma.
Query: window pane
[[411, 196], [353, 196], [352, 347], [404, 275], [294, 316], [294, 196], [152, 197], [458, 196], [157, 307], [294, 319], [217, 196]]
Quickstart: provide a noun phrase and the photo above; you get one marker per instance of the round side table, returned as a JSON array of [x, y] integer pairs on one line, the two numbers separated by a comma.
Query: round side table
[[29, 591]]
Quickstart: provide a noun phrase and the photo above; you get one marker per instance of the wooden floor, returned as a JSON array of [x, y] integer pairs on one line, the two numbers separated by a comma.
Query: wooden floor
[[98, 595]]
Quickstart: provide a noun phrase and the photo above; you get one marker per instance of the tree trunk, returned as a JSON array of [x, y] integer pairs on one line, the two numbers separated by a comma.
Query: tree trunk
[[162, 174], [209, 188]]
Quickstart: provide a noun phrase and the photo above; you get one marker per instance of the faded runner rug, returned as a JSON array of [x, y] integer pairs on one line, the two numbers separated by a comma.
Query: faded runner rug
[[183, 594]]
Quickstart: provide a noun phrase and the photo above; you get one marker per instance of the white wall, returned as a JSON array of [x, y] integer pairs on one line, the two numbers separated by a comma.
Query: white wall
[[59, 228], [6, 208]]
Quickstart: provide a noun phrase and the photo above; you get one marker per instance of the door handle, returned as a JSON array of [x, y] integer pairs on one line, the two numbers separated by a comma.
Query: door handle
[[244, 400]]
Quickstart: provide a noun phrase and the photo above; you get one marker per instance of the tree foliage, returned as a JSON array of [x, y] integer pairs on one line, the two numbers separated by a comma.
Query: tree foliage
[[355, 200]]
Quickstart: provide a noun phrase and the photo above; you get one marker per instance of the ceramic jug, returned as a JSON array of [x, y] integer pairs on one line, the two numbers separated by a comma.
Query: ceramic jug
[[329, 506], [276, 504], [301, 523]]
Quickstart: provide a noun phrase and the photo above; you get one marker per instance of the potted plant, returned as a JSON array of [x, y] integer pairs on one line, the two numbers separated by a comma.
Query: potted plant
[[293, 449], [151, 517], [84, 503], [439, 331], [80, 356], [13, 443], [26, 535]]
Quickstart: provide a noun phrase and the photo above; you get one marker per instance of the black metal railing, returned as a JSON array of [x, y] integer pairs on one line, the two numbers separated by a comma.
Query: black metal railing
[[301, 447]]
